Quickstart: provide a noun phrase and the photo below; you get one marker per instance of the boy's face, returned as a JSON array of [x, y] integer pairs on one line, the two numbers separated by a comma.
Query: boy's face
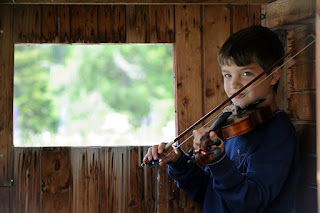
[[236, 77]]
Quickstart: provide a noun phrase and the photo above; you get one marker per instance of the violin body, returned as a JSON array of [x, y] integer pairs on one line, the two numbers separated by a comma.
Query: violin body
[[243, 123], [232, 126]]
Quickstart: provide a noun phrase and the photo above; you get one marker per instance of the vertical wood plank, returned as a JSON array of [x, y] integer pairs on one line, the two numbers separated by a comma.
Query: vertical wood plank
[[188, 89], [64, 23], [317, 70], [27, 24], [301, 71], [55, 179], [137, 24], [78, 23], [5, 199], [6, 94], [85, 180], [136, 186], [162, 23], [254, 14], [216, 30], [188, 71], [245, 16], [114, 179], [151, 186], [301, 106], [26, 193], [49, 23], [91, 31], [112, 23]]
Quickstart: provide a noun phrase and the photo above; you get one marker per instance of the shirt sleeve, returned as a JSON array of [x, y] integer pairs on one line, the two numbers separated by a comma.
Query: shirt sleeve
[[191, 178]]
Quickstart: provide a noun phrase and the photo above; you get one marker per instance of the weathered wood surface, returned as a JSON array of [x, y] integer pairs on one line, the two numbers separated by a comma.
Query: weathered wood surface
[[300, 75], [55, 179], [6, 94], [5, 199], [112, 23], [217, 22], [26, 194], [317, 71], [93, 24], [298, 86], [282, 13], [85, 183], [237, 2]]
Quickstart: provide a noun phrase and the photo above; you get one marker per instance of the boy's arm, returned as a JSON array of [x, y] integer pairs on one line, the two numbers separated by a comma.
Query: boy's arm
[[191, 178]]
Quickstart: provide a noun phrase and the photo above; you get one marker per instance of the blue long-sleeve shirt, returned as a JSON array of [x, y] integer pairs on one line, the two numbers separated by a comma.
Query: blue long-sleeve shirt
[[257, 173]]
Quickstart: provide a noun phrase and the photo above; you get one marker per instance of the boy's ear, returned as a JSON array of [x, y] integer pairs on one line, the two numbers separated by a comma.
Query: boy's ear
[[275, 76]]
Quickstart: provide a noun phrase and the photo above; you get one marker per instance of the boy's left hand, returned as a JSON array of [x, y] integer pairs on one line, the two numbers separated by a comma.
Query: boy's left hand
[[198, 134]]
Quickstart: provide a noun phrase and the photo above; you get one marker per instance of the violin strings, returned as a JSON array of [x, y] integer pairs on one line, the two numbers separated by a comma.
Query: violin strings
[[285, 63]]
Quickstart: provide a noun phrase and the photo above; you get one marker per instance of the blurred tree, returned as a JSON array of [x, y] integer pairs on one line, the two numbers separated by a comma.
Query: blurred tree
[[32, 95], [129, 79]]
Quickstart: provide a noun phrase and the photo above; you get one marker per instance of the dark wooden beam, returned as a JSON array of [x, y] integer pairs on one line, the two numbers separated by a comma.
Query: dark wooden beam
[[207, 2]]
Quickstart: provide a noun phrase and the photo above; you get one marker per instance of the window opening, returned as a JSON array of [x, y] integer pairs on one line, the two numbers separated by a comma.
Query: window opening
[[93, 95]]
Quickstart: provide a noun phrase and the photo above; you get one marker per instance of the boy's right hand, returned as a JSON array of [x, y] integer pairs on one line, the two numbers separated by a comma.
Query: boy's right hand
[[157, 151]]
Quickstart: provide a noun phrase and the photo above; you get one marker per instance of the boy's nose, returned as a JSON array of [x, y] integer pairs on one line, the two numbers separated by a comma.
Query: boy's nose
[[236, 84]]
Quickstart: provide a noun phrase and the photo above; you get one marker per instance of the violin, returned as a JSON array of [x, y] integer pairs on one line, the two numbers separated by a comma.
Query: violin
[[230, 125], [240, 123]]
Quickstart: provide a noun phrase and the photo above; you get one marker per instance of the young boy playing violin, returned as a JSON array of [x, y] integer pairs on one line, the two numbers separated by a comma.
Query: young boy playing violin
[[256, 171]]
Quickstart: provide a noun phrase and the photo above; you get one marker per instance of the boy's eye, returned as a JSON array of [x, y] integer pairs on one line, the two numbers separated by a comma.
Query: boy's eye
[[247, 73], [226, 75]]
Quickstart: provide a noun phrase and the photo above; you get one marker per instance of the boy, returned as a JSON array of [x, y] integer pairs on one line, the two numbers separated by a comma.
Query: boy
[[258, 170]]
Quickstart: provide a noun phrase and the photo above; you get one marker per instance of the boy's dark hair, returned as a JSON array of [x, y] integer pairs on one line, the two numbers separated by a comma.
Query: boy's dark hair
[[253, 44]]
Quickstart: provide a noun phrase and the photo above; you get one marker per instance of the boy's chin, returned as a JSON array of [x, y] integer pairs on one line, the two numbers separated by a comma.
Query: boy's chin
[[238, 103]]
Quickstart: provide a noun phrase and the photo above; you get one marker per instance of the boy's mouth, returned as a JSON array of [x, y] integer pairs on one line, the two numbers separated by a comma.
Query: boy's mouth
[[240, 95]]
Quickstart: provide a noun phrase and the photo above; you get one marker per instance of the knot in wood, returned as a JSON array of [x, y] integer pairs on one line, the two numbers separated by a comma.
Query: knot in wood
[[185, 101]]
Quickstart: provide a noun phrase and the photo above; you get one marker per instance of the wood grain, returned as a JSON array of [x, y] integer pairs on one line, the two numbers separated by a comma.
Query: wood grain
[[78, 23], [237, 2], [317, 70], [27, 24], [137, 24], [162, 24], [55, 179], [216, 30], [188, 77], [64, 24], [26, 191], [49, 24], [112, 23], [6, 94], [85, 169], [281, 13], [5, 199]]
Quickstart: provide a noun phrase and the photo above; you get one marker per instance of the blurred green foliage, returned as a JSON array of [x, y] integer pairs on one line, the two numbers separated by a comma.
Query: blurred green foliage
[[129, 79]]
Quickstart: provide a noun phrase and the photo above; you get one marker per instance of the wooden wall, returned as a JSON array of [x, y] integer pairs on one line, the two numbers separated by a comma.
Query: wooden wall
[[109, 179]]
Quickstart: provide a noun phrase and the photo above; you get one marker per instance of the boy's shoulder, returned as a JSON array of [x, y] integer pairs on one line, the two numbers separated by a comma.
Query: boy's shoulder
[[280, 126]]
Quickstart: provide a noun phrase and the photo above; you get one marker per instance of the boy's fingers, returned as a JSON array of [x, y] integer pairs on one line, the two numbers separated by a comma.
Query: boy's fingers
[[155, 152], [161, 147]]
